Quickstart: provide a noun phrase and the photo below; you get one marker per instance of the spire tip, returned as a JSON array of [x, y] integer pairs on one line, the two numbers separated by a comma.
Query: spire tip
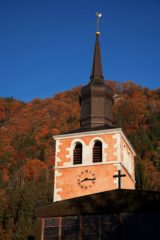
[[98, 33], [98, 16]]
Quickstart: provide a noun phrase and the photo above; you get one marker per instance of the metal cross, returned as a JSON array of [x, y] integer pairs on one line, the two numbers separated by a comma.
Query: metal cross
[[119, 176]]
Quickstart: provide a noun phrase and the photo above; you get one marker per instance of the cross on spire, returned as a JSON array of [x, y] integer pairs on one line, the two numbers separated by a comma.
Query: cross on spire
[[119, 176], [98, 15]]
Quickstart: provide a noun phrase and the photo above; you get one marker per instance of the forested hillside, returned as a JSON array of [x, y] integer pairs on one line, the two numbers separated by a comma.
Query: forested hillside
[[27, 148]]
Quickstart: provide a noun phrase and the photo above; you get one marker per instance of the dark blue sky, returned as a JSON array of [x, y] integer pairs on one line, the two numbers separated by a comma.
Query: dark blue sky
[[46, 46]]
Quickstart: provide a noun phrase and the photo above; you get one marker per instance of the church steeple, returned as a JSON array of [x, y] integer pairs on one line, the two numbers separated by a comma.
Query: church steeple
[[96, 98], [97, 73]]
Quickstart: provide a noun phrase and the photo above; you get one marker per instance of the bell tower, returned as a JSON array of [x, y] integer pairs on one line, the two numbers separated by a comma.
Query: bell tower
[[95, 157], [96, 98]]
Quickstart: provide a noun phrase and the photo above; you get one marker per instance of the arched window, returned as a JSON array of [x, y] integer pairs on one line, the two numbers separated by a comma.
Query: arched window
[[97, 151], [77, 154]]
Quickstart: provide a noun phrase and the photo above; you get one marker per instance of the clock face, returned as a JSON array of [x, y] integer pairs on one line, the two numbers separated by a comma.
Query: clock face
[[86, 179]]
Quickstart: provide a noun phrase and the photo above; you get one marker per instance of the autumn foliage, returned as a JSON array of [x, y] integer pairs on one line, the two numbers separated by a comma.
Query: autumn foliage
[[27, 147]]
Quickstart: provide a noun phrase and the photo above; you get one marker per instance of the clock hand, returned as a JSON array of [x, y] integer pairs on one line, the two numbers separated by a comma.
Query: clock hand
[[85, 179], [88, 179], [91, 179]]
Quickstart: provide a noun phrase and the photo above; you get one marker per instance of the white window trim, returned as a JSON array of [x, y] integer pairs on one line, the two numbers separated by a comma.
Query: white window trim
[[87, 152], [104, 146], [71, 151]]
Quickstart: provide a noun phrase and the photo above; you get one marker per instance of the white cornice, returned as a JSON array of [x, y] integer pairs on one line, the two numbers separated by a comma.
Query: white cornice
[[87, 165], [89, 133]]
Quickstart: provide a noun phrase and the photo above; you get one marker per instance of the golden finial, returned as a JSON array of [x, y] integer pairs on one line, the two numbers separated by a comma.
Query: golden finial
[[98, 15]]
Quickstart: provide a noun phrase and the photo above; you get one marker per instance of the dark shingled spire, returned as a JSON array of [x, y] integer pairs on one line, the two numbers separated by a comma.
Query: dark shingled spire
[[97, 74], [96, 98]]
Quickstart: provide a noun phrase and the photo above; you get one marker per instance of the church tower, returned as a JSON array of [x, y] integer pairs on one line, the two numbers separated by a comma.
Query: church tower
[[95, 157]]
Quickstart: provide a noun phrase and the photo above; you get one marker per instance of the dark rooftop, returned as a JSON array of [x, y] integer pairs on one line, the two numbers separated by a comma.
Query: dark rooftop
[[115, 201]]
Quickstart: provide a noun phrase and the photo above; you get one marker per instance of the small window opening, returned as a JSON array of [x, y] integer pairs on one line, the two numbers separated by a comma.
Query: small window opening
[[77, 154], [97, 152]]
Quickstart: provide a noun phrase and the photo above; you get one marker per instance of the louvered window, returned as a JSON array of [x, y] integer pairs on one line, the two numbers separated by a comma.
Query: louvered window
[[97, 152], [77, 154]]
